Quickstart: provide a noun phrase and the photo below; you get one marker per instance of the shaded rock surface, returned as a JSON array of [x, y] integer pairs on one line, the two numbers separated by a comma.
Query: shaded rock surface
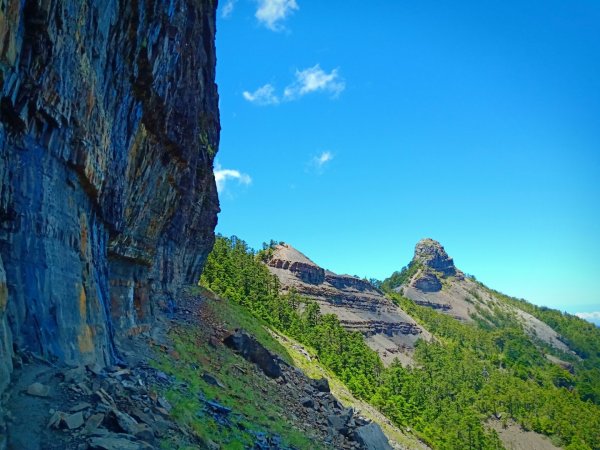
[[371, 437], [253, 351], [109, 124], [358, 304]]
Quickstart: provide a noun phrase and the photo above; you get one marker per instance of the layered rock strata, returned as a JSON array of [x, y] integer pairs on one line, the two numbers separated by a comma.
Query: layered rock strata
[[109, 124], [358, 304], [438, 284]]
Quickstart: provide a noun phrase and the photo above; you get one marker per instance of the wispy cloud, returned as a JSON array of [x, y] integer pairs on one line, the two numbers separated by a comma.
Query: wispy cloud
[[315, 79], [312, 79], [593, 316], [264, 95], [323, 158], [228, 8], [317, 163], [223, 175], [271, 13]]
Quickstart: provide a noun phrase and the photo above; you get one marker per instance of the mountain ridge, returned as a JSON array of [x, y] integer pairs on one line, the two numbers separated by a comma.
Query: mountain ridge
[[358, 304]]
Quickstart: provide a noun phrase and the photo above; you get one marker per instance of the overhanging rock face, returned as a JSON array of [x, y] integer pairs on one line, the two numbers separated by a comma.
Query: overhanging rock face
[[109, 124]]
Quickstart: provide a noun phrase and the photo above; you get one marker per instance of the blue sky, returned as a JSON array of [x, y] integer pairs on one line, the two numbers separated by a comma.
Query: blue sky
[[353, 129]]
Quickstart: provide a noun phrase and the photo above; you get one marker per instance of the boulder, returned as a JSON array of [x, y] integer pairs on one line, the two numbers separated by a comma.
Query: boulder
[[321, 385], [371, 437], [307, 402], [251, 350]]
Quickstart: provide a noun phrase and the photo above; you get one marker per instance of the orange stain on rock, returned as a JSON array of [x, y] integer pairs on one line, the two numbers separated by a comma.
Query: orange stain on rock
[[84, 234], [83, 304], [86, 340]]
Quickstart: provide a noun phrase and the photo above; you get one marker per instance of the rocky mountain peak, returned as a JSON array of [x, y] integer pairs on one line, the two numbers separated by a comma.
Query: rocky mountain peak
[[431, 254], [288, 258]]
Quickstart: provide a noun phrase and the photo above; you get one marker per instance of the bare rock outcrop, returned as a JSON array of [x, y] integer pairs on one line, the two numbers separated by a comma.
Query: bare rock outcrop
[[357, 303], [109, 124], [438, 284]]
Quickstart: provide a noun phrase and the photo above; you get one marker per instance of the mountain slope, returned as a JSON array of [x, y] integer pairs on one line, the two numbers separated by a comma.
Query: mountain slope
[[431, 279], [358, 305], [473, 372]]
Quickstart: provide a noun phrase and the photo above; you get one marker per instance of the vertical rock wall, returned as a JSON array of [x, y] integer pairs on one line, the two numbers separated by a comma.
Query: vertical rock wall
[[109, 124]]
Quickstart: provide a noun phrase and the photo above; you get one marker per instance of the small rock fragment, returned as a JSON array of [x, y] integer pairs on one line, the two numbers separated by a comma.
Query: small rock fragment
[[212, 380], [74, 421], [56, 420], [126, 422], [80, 407], [38, 390], [115, 443], [307, 402], [94, 422]]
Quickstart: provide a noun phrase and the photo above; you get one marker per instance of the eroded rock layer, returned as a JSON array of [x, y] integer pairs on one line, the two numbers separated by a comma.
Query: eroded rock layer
[[108, 128], [358, 304], [438, 284]]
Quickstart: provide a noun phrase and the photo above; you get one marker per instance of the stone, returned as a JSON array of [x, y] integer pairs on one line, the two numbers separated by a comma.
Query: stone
[[251, 350], [321, 385], [56, 420], [74, 421], [307, 402], [338, 423], [144, 432], [93, 422], [80, 407], [38, 390], [127, 423], [117, 443], [371, 437], [210, 379]]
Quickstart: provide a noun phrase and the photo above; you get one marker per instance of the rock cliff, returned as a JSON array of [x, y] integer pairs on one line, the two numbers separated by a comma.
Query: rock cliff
[[109, 124], [358, 304]]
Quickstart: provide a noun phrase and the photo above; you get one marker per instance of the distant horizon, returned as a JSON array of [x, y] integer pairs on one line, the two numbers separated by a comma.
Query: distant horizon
[[352, 132]]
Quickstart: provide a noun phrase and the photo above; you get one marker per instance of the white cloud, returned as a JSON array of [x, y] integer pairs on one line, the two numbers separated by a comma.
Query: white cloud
[[323, 158], [314, 79], [317, 163], [271, 12], [228, 9], [264, 95], [593, 316], [223, 175]]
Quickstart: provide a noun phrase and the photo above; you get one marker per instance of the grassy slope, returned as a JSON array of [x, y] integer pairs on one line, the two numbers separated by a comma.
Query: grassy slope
[[246, 391]]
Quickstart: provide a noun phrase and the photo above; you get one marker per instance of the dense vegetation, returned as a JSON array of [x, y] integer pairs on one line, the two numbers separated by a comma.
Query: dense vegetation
[[472, 373], [581, 336], [398, 278]]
